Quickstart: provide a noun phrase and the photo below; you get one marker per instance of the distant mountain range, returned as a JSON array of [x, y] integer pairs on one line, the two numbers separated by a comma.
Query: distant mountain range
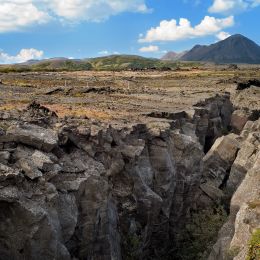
[[109, 63], [235, 49], [171, 55]]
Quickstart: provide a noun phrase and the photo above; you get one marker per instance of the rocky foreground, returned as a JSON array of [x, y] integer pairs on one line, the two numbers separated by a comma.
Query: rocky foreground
[[77, 189]]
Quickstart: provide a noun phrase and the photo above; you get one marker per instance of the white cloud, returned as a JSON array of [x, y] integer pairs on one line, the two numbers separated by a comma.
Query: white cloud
[[223, 35], [256, 3], [151, 48], [224, 6], [232, 6], [22, 56], [106, 52], [172, 31], [16, 14], [94, 10]]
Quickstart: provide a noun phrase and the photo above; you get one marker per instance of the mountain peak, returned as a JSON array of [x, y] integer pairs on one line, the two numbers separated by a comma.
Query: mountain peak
[[235, 49], [237, 35], [171, 55]]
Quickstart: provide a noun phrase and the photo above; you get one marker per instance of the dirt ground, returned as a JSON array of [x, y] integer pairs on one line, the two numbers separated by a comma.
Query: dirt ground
[[125, 96]]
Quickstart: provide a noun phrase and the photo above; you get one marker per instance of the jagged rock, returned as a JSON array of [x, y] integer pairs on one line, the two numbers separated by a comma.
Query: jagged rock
[[32, 135], [102, 186], [29, 232], [9, 194], [220, 158], [29, 168], [4, 156], [98, 221], [34, 162], [239, 119], [40, 115], [132, 151], [211, 191], [244, 161], [68, 214], [79, 162], [245, 199], [244, 182], [7, 172], [2, 131]]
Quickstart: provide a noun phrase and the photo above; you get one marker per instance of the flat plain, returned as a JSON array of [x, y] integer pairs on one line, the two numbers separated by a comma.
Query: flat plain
[[125, 96]]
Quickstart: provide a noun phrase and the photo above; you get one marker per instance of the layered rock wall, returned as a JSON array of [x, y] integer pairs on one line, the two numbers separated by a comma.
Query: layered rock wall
[[72, 189]]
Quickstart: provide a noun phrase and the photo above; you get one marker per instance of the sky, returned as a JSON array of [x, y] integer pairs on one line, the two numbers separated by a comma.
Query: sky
[[38, 29]]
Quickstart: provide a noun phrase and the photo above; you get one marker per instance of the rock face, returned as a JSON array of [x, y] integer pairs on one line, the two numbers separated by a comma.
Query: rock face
[[74, 190], [244, 180]]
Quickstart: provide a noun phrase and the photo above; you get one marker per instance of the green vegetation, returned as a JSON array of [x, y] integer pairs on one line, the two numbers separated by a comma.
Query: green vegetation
[[254, 204], [61, 65], [14, 68], [132, 246], [233, 252], [200, 234], [49, 65], [109, 63], [254, 246], [130, 62]]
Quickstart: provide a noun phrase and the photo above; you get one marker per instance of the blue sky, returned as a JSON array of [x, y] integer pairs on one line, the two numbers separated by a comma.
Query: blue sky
[[88, 28]]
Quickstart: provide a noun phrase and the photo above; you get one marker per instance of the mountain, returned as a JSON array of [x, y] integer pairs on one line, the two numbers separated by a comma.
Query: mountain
[[127, 62], [235, 49], [173, 56], [110, 63]]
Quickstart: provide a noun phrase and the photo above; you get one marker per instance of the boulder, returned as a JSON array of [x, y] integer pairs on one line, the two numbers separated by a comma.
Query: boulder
[[29, 168], [7, 172], [33, 135], [4, 156], [238, 120], [244, 161], [220, 158], [214, 193]]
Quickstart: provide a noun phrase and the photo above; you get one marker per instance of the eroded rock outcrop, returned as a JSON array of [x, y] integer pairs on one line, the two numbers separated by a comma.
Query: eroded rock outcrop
[[244, 182], [72, 189]]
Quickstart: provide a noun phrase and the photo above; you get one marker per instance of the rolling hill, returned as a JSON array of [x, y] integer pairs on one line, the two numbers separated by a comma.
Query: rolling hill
[[113, 62]]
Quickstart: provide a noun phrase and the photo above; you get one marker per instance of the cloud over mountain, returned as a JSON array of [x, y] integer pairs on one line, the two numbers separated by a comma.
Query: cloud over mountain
[[151, 48], [173, 31], [22, 56]]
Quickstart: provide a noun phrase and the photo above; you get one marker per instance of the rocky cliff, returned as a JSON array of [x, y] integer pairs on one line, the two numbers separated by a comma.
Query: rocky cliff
[[244, 181], [79, 189]]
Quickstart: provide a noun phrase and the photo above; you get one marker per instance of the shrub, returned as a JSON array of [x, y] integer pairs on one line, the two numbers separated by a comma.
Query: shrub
[[200, 234], [254, 246]]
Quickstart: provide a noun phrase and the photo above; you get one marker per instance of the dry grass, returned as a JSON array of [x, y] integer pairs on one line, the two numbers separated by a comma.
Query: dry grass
[[14, 105], [65, 110], [134, 93], [254, 204]]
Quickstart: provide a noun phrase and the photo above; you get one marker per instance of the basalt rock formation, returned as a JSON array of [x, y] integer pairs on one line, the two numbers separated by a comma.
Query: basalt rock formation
[[78, 189]]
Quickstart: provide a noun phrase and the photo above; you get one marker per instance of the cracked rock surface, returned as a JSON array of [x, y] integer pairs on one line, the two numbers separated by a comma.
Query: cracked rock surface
[[71, 189]]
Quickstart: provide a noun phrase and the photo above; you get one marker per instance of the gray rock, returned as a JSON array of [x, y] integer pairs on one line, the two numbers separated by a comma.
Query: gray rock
[[220, 158], [7, 172], [4, 156], [33, 135], [239, 119], [29, 168]]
